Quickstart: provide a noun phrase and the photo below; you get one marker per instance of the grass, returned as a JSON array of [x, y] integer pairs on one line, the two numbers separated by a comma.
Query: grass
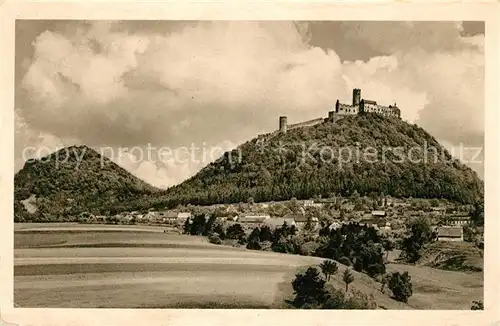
[[454, 256], [133, 269], [439, 289]]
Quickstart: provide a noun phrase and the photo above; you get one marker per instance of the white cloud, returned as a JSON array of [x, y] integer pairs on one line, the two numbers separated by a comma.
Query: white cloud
[[215, 82]]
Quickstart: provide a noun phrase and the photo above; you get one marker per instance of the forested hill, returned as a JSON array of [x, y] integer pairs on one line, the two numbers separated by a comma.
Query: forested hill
[[402, 160], [303, 163], [73, 180]]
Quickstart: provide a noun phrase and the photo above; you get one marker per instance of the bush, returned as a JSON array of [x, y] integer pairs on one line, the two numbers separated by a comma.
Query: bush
[[419, 234], [359, 300], [469, 234], [329, 268], [345, 261], [308, 248], [254, 245], [235, 231], [358, 265], [309, 289], [265, 234], [356, 300], [283, 246], [335, 299], [400, 285], [375, 269], [312, 293], [215, 239], [477, 305]]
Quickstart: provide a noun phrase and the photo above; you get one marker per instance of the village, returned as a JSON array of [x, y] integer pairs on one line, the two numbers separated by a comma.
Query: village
[[387, 215]]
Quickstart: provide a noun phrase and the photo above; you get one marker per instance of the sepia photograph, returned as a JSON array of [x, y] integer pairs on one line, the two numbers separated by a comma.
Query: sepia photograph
[[249, 164], [222, 164]]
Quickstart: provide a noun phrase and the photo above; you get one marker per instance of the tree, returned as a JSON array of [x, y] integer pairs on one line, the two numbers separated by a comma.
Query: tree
[[235, 231], [477, 305], [254, 245], [419, 234], [355, 196], [477, 215], [345, 261], [388, 246], [265, 233], [434, 202], [384, 280], [308, 227], [209, 225], [309, 288], [282, 245], [328, 267], [401, 287], [198, 225], [370, 258], [254, 236], [215, 239], [219, 229], [293, 205], [348, 278]]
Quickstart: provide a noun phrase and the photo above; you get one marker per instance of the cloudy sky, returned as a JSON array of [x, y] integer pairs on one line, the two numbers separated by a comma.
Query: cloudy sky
[[213, 85]]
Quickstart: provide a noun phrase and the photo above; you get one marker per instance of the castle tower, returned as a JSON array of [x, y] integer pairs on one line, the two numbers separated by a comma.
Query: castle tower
[[356, 96], [283, 124], [337, 106]]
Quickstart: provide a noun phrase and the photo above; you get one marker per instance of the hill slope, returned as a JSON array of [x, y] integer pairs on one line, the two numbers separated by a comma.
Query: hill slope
[[312, 161], [81, 181], [454, 256]]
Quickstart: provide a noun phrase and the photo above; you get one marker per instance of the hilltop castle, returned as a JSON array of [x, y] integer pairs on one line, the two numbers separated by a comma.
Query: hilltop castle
[[358, 106]]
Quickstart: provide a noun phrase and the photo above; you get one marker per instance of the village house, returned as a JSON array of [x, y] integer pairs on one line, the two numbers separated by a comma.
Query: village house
[[183, 216], [412, 213], [439, 209], [232, 218], [98, 218], [378, 213], [387, 202], [335, 225], [459, 220], [168, 217], [450, 233], [152, 217], [376, 223], [222, 218], [253, 219], [273, 223], [311, 203], [301, 219], [384, 226], [307, 203], [349, 208], [231, 209], [335, 215], [369, 222]]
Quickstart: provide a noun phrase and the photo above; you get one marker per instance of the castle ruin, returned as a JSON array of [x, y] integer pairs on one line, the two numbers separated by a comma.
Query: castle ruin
[[358, 106]]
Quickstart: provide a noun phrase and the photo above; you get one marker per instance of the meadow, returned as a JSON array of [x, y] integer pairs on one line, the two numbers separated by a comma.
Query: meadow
[[92, 266]]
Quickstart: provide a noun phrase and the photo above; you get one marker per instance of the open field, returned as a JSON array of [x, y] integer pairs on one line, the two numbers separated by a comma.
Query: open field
[[147, 269]]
